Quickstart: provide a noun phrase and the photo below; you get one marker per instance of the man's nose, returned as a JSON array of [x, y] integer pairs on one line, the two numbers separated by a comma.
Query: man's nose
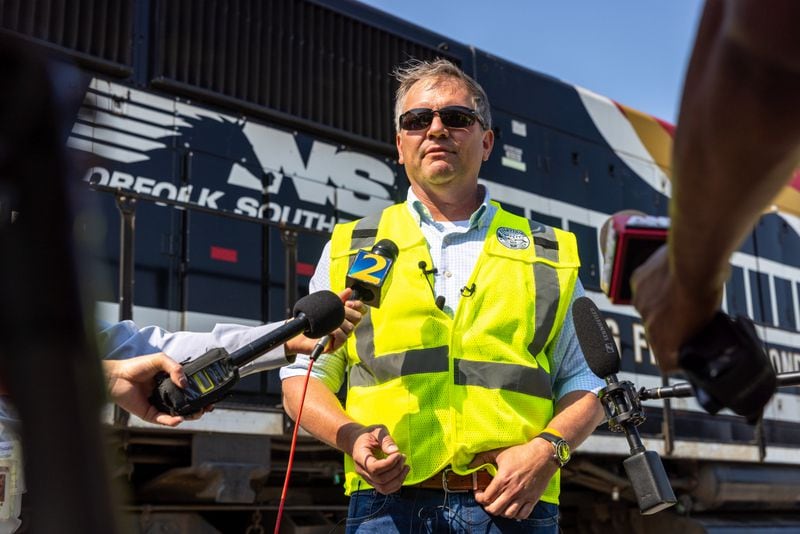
[[437, 127]]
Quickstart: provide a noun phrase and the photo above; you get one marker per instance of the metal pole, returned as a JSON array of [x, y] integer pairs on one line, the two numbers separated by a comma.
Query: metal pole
[[266, 277], [667, 422], [127, 212], [289, 238]]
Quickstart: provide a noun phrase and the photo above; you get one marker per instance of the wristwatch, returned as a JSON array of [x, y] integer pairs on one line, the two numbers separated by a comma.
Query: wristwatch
[[561, 452]]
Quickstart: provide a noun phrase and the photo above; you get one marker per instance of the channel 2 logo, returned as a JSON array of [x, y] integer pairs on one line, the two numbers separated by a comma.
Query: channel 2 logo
[[370, 268]]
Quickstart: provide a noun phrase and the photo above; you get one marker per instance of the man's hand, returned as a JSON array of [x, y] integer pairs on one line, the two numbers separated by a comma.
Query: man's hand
[[378, 460], [523, 472], [130, 383], [671, 312], [354, 310]]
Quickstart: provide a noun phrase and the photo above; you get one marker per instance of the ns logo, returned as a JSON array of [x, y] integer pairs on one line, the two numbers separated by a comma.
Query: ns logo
[[142, 130]]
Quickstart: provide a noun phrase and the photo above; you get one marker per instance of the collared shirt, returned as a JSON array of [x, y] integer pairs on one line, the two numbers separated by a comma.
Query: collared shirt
[[454, 249]]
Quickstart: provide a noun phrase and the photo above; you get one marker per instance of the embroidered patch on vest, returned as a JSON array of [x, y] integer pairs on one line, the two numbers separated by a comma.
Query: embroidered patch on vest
[[513, 239]]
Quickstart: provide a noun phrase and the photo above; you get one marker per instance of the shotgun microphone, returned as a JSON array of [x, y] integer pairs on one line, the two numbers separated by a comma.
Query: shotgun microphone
[[623, 409]]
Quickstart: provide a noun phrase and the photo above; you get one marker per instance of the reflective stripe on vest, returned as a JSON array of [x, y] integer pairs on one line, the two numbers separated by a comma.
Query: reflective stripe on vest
[[546, 245], [363, 236]]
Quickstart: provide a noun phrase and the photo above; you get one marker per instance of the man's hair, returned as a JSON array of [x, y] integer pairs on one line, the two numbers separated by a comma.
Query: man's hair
[[438, 70]]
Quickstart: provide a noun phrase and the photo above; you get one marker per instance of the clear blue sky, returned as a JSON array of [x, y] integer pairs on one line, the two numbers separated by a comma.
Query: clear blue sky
[[633, 51]]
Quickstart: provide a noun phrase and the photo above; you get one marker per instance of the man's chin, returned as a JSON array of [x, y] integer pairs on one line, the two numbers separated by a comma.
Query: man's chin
[[440, 174]]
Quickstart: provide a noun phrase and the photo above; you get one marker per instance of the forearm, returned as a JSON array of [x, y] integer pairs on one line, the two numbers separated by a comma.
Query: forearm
[[737, 139], [125, 339], [524, 471], [323, 416], [577, 415]]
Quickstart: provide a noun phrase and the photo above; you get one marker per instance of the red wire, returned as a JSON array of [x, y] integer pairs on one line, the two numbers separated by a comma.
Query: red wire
[[291, 450]]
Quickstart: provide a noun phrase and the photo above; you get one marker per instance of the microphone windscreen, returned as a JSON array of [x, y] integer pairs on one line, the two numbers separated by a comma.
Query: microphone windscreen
[[386, 248], [594, 337], [324, 311]]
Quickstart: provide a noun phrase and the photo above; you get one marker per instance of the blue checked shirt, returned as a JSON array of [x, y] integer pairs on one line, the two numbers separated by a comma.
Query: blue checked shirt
[[454, 249]]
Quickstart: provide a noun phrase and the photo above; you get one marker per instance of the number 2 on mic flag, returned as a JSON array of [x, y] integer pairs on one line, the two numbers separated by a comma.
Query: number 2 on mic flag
[[369, 268]]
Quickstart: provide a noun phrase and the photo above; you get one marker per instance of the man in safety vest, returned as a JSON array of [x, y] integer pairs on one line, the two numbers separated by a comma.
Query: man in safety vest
[[466, 386]]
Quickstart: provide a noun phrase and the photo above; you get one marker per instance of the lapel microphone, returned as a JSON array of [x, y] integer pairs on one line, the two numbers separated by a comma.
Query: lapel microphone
[[423, 266]]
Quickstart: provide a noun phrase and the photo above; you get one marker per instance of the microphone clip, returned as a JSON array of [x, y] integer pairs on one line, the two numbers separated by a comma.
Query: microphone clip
[[468, 291], [622, 405]]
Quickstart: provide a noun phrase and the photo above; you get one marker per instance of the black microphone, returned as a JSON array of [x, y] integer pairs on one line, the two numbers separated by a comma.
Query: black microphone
[[315, 315], [367, 275], [423, 265], [623, 409], [370, 270], [211, 376]]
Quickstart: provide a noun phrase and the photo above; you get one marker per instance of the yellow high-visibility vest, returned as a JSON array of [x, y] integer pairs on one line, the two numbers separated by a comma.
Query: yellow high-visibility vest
[[445, 388]]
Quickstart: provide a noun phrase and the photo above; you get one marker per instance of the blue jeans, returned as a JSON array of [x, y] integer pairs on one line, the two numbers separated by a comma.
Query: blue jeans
[[413, 510]]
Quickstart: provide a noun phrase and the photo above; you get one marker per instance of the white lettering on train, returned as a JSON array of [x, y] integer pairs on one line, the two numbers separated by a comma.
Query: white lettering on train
[[206, 197], [330, 177], [784, 361], [640, 343], [614, 327]]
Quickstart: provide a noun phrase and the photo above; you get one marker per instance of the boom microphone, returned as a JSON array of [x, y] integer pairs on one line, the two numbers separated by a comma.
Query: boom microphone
[[681, 390], [623, 409], [212, 375], [685, 389]]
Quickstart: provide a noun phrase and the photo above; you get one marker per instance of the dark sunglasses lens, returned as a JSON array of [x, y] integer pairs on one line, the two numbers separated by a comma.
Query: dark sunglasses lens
[[452, 117], [416, 120], [456, 118]]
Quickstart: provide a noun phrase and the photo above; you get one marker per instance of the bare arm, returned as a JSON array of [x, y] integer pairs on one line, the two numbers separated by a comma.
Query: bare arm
[[736, 144], [577, 415], [738, 136], [377, 458], [524, 471]]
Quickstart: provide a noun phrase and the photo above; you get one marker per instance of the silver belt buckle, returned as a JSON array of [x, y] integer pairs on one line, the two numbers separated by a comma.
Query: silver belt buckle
[[447, 470]]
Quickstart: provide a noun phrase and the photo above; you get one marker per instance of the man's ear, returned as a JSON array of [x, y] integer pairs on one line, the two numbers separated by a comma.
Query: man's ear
[[488, 143], [399, 144]]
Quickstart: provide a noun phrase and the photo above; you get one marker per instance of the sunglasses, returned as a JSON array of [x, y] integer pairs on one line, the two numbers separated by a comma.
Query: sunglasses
[[451, 116]]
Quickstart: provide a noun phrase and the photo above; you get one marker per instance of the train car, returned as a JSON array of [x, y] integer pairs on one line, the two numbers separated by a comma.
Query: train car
[[222, 140]]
